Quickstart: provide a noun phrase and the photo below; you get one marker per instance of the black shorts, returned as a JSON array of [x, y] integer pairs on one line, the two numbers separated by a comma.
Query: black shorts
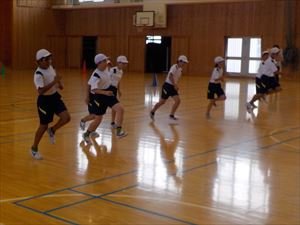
[[168, 90], [214, 88], [47, 105], [270, 82], [114, 90], [101, 102], [260, 86], [92, 106]]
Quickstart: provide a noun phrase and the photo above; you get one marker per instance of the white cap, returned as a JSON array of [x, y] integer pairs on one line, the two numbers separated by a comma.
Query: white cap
[[122, 59], [265, 52], [42, 53], [219, 59], [183, 58], [99, 58], [274, 50]]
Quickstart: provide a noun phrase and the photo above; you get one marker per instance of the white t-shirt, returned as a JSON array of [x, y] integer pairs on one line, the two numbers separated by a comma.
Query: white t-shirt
[[115, 75], [261, 69], [176, 71], [270, 67], [99, 80], [216, 74], [43, 77]]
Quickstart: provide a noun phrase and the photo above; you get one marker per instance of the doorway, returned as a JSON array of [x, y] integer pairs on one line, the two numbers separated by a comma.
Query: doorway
[[158, 54], [243, 55], [89, 46]]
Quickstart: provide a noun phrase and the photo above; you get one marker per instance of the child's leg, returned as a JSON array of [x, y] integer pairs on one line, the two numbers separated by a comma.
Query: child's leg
[[88, 118], [176, 104], [209, 106], [157, 105], [64, 118], [119, 111], [113, 116], [38, 135]]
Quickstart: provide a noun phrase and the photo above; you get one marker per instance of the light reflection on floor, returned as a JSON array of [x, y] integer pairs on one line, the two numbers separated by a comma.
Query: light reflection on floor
[[241, 184], [100, 144], [159, 160]]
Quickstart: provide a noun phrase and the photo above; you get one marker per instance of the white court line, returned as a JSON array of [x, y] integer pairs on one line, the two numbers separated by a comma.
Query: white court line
[[244, 218], [278, 140], [44, 196], [213, 209]]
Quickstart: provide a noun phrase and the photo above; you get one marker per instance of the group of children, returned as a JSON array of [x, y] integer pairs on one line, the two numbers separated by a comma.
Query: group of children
[[104, 87], [267, 77]]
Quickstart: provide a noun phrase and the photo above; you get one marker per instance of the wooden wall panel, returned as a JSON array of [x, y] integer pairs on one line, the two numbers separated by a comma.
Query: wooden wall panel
[[136, 53], [180, 46], [204, 27], [58, 48], [6, 15], [32, 29], [74, 50], [107, 45]]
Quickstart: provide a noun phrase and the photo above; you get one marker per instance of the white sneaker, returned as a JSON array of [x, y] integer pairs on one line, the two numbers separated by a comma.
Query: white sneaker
[[249, 107], [35, 155], [82, 125], [51, 135]]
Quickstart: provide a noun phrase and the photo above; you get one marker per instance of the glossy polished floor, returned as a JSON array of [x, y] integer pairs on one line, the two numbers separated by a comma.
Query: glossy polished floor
[[235, 168]]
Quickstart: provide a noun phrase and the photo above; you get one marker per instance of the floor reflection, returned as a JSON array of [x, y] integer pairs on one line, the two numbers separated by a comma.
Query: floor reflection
[[88, 151], [152, 95], [235, 104], [158, 159], [241, 184]]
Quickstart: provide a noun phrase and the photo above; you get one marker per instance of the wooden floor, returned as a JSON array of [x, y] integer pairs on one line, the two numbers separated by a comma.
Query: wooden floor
[[234, 168]]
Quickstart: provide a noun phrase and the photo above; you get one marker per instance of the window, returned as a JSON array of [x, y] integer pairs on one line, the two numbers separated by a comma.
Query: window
[[243, 55], [153, 39]]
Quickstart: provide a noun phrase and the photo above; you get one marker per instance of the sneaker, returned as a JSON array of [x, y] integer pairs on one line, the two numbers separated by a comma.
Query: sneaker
[[172, 117], [51, 135], [152, 115], [121, 133], [35, 155], [82, 125], [86, 138], [249, 107], [94, 135], [113, 125]]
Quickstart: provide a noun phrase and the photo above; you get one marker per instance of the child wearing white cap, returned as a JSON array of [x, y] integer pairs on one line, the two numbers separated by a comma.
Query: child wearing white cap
[[170, 87], [101, 97], [271, 69], [214, 86], [116, 74], [49, 101], [261, 89]]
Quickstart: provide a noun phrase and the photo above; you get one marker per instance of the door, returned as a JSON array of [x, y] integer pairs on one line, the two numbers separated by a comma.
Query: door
[[89, 46], [158, 52]]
